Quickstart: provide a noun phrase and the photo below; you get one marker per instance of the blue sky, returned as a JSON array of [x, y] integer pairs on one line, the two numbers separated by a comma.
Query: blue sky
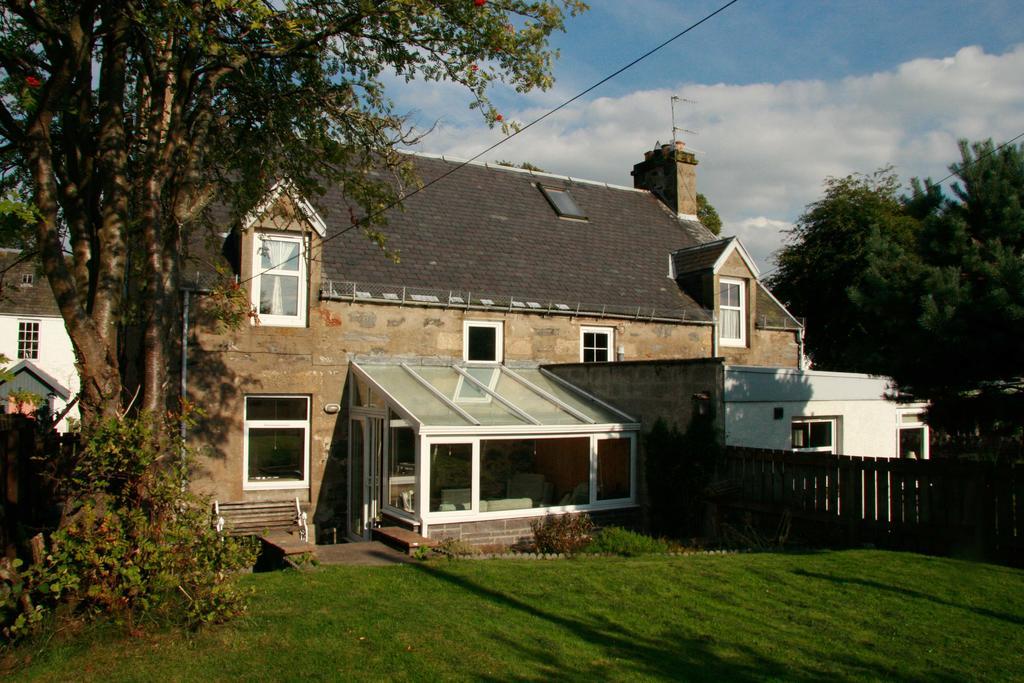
[[786, 93]]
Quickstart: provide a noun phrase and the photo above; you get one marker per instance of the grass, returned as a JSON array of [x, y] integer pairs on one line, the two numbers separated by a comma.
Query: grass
[[837, 615]]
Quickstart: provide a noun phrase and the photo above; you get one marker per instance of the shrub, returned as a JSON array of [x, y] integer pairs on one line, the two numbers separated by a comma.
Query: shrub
[[561, 533], [618, 541], [134, 541]]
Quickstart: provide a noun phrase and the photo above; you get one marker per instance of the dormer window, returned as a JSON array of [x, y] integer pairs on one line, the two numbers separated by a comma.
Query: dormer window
[[562, 202], [279, 280], [732, 309]]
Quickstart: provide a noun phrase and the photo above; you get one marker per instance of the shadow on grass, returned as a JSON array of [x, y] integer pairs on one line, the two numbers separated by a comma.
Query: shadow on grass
[[625, 654], [910, 593]]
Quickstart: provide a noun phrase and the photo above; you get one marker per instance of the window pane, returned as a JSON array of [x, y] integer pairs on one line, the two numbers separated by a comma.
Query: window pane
[[276, 453], [451, 477], [613, 469], [730, 324], [564, 204], [28, 340], [800, 435], [279, 255], [729, 294], [821, 434], [402, 468], [279, 295], [912, 443], [276, 408], [482, 343], [532, 473]]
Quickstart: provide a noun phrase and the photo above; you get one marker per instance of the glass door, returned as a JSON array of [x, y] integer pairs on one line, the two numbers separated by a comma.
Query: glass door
[[366, 461]]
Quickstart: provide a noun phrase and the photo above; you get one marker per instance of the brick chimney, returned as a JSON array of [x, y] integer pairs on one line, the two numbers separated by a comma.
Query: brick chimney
[[670, 172]]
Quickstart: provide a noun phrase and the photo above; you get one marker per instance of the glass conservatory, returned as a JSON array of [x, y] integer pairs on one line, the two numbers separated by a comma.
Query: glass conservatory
[[432, 444]]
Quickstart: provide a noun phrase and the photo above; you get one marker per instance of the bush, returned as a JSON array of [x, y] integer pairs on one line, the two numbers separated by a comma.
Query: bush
[[562, 533], [134, 542], [618, 541]]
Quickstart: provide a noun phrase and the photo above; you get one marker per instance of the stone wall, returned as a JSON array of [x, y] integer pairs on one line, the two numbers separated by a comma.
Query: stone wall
[[227, 365]]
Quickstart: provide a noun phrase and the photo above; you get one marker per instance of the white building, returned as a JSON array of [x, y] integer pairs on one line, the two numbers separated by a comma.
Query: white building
[[813, 410], [33, 338]]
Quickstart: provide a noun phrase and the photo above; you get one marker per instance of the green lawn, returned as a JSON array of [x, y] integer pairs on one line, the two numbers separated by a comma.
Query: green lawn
[[829, 615]]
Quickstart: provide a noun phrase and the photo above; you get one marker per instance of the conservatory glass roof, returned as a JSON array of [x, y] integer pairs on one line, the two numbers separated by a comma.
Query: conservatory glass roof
[[486, 396]]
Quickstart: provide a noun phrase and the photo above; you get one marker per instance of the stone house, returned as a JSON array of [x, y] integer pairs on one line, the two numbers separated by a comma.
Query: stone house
[[502, 368]]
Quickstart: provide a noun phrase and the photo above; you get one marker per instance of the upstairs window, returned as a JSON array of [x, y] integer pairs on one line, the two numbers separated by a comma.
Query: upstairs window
[[28, 279], [732, 313], [596, 344], [482, 342], [563, 203], [279, 280], [28, 340]]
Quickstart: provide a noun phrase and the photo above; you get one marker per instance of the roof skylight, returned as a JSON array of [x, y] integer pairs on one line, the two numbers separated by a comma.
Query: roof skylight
[[562, 202]]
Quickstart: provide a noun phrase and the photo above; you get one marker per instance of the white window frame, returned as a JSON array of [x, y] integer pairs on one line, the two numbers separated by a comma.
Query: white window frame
[[833, 421], [247, 424], [37, 331], [499, 339], [474, 514], [609, 331], [266, 319], [916, 424], [742, 308]]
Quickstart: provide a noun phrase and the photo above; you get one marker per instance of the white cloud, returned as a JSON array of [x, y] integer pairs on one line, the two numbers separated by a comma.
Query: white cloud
[[766, 148]]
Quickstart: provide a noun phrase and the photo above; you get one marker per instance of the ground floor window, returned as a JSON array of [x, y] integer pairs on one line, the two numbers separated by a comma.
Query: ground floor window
[[492, 475], [812, 434], [614, 470], [401, 484], [451, 477], [276, 441], [913, 436], [533, 473]]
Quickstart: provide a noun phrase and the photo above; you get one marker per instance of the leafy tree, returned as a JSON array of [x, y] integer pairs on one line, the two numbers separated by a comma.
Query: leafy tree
[[953, 304], [827, 255], [123, 121], [707, 215]]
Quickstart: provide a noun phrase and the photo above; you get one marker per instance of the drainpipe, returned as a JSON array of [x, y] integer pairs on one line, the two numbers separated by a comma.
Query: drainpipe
[[714, 334], [800, 347], [184, 355]]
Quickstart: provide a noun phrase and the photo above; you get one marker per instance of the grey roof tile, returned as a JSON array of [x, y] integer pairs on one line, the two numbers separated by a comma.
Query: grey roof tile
[[17, 298], [490, 229]]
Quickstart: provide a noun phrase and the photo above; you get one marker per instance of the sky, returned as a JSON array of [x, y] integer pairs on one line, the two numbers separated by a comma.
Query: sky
[[784, 94]]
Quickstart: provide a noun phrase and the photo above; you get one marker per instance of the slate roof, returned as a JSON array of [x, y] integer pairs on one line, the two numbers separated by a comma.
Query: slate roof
[[17, 298], [490, 230], [699, 257], [28, 376]]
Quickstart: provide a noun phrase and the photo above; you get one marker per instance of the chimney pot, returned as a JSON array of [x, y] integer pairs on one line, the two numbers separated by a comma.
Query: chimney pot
[[680, 145]]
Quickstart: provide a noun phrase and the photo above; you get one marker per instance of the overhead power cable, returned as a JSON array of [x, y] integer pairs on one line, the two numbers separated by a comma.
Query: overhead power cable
[[369, 217]]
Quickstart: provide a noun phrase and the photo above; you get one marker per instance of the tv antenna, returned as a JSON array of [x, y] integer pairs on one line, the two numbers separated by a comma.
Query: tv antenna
[[675, 128]]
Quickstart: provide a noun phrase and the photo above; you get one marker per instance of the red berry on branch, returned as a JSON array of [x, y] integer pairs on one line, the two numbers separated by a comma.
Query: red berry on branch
[[473, 67], [33, 82], [479, 3], [499, 117]]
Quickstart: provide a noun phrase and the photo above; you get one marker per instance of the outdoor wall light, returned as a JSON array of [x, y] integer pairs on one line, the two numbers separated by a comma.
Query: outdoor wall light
[[331, 408]]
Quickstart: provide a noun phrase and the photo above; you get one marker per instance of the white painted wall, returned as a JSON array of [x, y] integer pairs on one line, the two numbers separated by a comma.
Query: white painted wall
[[867, 422], [56, 355]]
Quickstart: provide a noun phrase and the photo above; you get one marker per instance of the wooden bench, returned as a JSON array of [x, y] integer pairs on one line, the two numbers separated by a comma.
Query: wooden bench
[[402, 539], [257, 518]]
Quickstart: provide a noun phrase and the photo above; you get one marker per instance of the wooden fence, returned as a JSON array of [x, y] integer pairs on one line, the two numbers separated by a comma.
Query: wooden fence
[[941, 507], [29, 466]]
